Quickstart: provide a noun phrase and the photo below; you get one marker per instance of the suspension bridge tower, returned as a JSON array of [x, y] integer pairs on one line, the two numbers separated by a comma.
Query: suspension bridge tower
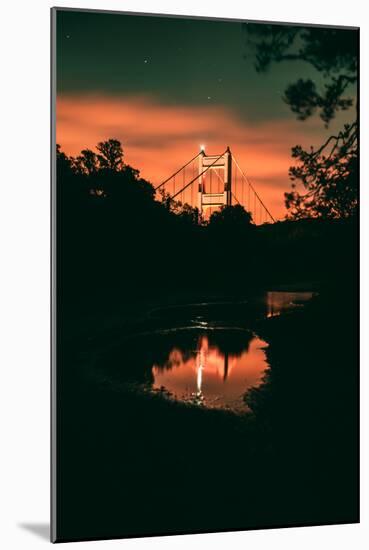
[[223, 163]]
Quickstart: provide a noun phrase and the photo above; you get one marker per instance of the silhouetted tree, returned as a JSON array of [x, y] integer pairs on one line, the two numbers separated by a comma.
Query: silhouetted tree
[[183, 210], [231, 217], [329, 172], [64, 164], [111, 154], [330, 179], [87, 162]]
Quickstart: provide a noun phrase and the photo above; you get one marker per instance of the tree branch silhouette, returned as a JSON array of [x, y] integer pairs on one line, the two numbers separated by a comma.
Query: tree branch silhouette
[[330, 178]]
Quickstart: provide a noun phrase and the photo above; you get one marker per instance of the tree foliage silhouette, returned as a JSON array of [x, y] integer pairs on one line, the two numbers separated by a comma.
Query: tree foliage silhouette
[[111, 154], [329, 172], [87, 162], [230, 218]]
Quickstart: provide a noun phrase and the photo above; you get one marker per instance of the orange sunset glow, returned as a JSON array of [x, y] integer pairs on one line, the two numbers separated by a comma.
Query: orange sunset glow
[[157, 138]]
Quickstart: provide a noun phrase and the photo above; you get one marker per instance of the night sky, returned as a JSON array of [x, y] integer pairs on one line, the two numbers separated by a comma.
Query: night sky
[[164, 85]]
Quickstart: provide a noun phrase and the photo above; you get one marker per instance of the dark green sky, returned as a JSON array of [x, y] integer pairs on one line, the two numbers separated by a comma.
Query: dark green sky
[[180, 61]]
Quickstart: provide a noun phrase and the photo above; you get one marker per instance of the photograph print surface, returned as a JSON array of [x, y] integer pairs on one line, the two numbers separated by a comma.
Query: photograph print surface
[[206, 207]]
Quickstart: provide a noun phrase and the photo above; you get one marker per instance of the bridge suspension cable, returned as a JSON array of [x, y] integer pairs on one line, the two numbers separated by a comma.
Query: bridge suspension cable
[[178, 171], [252, 188], [234, 196]]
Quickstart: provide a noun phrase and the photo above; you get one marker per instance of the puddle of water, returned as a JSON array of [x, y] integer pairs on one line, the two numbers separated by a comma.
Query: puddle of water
[[212, 371], [212, 375]]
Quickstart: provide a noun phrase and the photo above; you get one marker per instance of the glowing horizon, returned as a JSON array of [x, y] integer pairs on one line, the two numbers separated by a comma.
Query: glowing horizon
[[157, 138]]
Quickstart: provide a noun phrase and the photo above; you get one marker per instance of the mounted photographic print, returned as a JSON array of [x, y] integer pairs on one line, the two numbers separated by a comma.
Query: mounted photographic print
[[205, 251]]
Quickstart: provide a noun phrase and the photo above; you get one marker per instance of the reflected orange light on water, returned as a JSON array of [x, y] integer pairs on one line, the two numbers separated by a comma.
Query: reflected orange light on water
[[219, 379], [280, 302]]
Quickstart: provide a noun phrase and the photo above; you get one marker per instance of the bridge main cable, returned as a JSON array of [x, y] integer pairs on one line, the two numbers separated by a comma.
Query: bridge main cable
[[178, 171], [198, 175], [252, 187], [234, 196]]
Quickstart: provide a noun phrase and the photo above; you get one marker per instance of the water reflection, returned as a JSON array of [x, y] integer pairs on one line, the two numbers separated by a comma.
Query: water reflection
[[206, 353], [216, 367], [281, 302], [212, 373]]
